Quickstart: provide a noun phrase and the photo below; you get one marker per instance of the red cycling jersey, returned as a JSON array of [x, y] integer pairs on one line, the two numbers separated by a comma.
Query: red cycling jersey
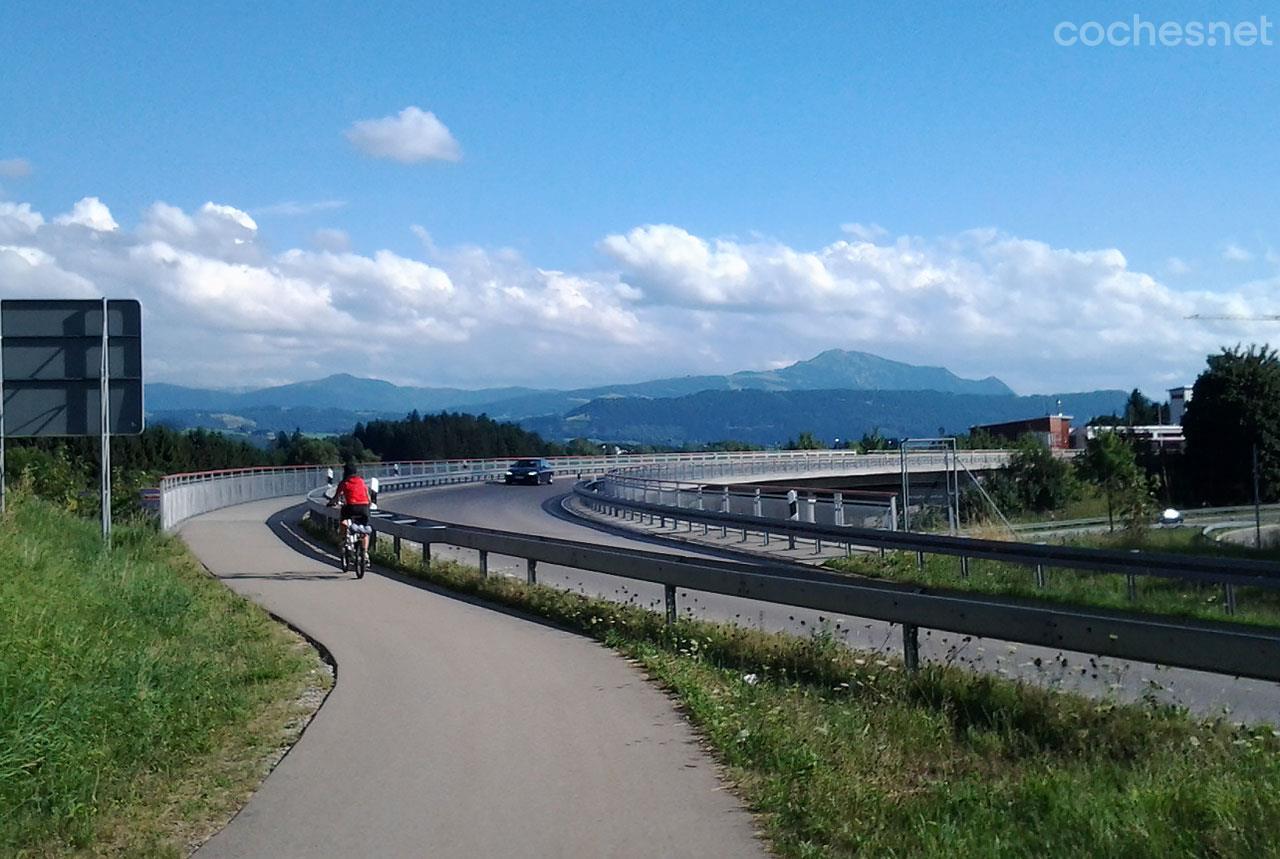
[[353, 491]]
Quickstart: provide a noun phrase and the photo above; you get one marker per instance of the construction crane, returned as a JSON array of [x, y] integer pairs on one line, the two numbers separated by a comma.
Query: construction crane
[[1237, 318]]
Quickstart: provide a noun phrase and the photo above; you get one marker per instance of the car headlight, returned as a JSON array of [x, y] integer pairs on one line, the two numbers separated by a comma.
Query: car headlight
[[509, 474]]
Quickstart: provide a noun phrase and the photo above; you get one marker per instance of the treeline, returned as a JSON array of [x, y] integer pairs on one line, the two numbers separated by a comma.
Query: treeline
[[450, 436]]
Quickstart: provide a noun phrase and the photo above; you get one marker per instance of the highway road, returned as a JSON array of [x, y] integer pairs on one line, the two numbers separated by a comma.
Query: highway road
[[536, 511]]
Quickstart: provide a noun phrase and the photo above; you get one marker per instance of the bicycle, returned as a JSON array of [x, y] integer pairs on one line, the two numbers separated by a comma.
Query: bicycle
[[354, 554]]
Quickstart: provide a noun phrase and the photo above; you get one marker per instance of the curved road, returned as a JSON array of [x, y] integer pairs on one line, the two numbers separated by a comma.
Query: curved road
[[536, 511], [455, 729]]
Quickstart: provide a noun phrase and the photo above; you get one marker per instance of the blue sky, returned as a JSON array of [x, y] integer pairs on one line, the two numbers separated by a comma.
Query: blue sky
[[757, 129]]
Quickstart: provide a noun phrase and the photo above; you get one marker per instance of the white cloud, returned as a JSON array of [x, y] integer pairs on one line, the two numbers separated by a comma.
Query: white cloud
[[92, 213], [14, 168], [18, 220], [331, 239], [1176, 266], [213, 212], [980, 302], [220, 309], [294, 209], [1232, 252], [223, 308], [866, 232], [410, 137]]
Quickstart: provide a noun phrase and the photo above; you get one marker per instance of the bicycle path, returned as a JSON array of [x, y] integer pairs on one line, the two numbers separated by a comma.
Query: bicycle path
[[456, 729]]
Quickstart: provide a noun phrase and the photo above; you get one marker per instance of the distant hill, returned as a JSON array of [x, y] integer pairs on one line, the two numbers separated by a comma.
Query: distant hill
[[771, 417], [832, 369], [340, 391]]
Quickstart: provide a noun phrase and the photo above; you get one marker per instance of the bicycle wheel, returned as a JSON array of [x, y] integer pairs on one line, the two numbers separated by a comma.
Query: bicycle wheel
[[362, 561], [346, 557]]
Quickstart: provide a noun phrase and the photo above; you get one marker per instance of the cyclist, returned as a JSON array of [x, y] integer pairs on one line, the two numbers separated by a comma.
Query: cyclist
[[353, 495]]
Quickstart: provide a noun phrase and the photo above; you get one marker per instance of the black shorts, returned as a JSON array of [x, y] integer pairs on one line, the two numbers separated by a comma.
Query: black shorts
[[357, 513]]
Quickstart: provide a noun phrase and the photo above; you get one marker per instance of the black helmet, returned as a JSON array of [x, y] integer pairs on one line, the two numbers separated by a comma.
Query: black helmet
[[349, 470]]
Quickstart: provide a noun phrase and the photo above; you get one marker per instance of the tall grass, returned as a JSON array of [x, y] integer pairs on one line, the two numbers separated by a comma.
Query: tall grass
[[121, 673], [844, 754]]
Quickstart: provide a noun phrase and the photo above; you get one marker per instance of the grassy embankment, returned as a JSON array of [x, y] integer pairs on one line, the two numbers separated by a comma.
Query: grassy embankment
[[843, 754], [1154, 594], [140, 700]]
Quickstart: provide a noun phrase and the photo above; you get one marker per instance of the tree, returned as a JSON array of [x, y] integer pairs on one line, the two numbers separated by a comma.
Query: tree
[[1110, 463], [806, 441], [872, 441], [1235, 404], [1140, 411], [1042, 481]]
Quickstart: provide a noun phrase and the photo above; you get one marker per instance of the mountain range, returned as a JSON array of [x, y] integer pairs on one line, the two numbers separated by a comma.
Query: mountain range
[[642, 411]]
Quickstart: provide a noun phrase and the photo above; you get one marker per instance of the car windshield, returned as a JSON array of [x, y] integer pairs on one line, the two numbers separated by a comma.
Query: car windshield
[[526, 463]]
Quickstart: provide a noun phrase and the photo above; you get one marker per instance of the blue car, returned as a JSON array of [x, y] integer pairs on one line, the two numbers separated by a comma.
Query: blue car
[[533, 471]]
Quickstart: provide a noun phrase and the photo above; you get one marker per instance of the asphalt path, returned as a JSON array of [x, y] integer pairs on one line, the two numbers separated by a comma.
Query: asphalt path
[[456, 729], [537, 511]]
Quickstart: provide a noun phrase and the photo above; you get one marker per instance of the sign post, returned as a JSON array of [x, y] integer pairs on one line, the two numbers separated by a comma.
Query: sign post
[[71, 368], [104, 409]]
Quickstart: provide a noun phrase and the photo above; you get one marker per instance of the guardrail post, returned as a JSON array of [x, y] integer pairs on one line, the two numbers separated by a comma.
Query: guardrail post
[[1131, 586], [837, 503], [911, 647], [811, 509], [1040, 575], [426, 554], [669, 592], [1231, 598], [531, 571], [484, 564], [964, 566], [755, 504]]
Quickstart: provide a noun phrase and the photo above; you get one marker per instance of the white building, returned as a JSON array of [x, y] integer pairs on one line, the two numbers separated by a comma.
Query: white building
[[1178, 399]]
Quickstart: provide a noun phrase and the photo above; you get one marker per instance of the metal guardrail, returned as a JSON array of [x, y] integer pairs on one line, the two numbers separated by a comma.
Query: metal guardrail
[[1227, 572], [1218, 647]]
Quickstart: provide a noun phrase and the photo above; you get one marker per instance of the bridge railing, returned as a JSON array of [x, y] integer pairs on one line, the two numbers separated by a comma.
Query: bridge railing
[[191, 494]]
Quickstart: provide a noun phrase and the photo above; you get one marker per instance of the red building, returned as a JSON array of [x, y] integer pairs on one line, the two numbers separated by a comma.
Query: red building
[[1054, 431]]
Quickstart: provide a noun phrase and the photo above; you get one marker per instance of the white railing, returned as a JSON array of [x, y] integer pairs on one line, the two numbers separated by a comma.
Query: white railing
[[191, 494]]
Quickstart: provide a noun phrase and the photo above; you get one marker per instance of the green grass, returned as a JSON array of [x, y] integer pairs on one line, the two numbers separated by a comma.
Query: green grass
[[843, 754], [139, 698], [1076, 587]]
